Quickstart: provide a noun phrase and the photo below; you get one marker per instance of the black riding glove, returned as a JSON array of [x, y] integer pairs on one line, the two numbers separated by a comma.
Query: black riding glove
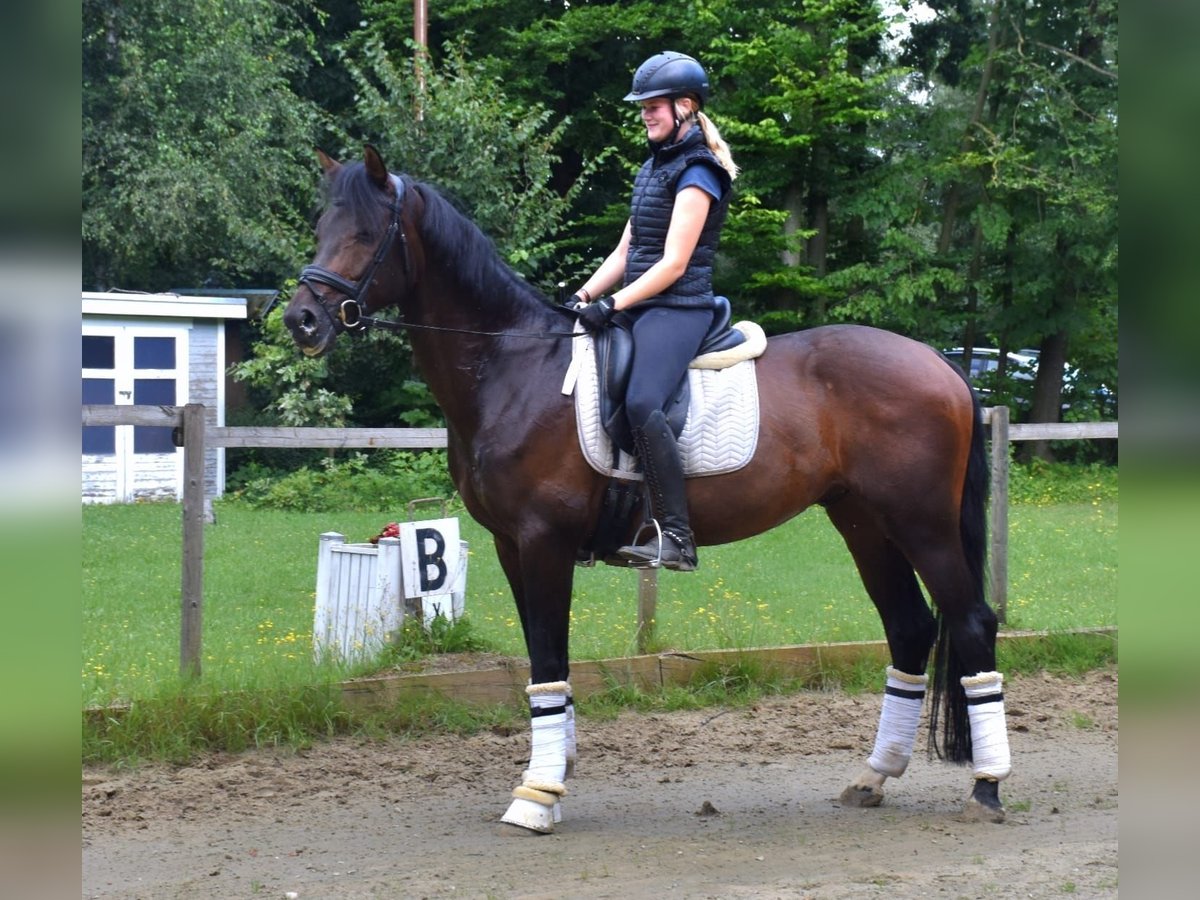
[[597, 314]]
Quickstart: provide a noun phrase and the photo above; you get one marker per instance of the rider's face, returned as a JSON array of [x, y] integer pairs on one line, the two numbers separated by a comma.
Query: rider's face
[[658, 115]]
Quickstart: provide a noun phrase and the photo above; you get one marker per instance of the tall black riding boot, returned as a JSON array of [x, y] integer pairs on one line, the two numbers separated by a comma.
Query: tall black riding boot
[[663, 470]]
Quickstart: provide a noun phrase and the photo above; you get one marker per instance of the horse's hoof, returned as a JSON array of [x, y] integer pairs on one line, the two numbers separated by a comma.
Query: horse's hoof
[[862, 796], [507, 830], [984, 803], [531, 817]]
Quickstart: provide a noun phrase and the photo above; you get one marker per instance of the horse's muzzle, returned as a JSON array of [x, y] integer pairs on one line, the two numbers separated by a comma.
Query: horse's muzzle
[[309, 329]]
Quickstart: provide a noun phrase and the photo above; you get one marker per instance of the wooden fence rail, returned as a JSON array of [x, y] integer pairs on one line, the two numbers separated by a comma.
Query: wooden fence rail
[[193, 435]]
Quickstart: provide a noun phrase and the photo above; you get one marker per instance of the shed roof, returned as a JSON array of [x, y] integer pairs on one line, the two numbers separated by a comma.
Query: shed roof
[[162, 306]]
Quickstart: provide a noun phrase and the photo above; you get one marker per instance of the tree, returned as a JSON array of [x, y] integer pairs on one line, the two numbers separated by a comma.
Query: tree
[[1009, 232], [1056, 160], [808, 85], [455, 128], [195, 147], [960, 189], [454, 125]]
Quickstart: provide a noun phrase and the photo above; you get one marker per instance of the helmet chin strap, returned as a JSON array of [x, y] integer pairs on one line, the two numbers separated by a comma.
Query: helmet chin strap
[[689, 120]]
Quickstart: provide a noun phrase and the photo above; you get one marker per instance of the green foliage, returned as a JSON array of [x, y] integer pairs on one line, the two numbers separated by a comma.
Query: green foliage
[[417, 642], [382, 482], [1032, 182], [959, 186], [193, 142], [365, 380], [456, 128], [452, 124], [294, 382]]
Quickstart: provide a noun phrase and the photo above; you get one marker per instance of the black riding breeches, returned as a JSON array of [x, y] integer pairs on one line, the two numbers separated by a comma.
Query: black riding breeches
[[665, 340]]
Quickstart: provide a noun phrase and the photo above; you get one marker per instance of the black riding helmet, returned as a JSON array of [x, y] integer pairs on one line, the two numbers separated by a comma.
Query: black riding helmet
[[669, 74]]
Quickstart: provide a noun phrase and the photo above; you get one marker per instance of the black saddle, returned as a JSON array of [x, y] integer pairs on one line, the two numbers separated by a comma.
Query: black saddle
[[614, 357]]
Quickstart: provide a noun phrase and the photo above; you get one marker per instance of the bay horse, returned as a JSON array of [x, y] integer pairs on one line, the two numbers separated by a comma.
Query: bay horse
[[880, 430]]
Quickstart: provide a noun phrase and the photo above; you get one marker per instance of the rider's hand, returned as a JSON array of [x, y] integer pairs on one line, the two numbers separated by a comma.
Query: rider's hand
[[598, 314]]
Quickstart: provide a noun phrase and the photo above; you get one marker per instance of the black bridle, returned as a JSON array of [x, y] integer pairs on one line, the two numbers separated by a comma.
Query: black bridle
[[350, 310]]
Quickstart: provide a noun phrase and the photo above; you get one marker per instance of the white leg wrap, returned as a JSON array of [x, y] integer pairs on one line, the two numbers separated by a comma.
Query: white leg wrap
[[535, 802], [898, 722], [989, 733]]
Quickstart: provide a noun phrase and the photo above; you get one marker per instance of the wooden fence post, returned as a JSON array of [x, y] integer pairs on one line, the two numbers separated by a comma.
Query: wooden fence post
[[998, 524], [647, 607], [192, 594]]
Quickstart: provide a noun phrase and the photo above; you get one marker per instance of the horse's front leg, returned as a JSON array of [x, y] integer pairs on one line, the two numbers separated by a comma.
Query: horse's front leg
[[541, 574]]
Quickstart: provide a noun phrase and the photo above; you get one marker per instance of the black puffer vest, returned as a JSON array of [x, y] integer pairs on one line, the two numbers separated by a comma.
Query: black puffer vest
[[650, 218]]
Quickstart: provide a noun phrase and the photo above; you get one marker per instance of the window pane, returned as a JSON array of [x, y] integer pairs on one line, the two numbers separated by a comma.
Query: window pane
[[153, 392], [154, 352], [98, 352], [98, 390], [99, 439]]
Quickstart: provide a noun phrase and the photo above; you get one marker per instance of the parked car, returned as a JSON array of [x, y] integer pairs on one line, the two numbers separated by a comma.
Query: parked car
[[1015, 390], [985, 360]]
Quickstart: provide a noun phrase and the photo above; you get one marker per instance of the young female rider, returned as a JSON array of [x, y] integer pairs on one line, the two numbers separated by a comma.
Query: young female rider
[[664, 265]]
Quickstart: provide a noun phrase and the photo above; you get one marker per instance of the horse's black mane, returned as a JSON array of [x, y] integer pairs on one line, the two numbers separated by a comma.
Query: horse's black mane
[[447, 234]]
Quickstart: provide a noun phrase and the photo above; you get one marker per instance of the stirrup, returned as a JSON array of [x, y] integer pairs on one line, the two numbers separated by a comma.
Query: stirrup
[[638, 554], [634, 553]]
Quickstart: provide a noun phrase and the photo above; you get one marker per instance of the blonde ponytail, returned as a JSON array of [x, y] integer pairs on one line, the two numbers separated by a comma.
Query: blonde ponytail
[[689, 109], [717, 145]]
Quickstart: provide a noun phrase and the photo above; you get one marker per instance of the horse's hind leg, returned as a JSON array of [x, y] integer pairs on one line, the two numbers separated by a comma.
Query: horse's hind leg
[[969, 688], [910, 630]]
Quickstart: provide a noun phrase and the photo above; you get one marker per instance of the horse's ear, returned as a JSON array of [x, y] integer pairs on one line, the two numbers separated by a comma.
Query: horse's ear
[[376, 169], [328, 164]]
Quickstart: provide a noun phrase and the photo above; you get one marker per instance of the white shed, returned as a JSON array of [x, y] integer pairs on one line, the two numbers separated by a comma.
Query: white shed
[[157, 350]]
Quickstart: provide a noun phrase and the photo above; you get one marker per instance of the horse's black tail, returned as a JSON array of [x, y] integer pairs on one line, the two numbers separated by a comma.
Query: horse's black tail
[[948, 704]]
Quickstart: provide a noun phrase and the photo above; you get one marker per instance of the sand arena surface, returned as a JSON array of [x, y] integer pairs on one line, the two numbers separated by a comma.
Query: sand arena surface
[[720, 803]]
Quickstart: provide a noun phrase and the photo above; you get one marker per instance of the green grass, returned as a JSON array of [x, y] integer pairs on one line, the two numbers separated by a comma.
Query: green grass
[[795, 584], [181, 720], [261, 687]]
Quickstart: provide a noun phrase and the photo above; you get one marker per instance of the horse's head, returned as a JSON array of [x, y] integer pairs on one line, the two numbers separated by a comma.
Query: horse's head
[[361, 251]]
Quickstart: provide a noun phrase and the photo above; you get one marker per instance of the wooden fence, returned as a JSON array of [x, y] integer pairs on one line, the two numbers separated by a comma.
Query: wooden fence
[[194, 436]]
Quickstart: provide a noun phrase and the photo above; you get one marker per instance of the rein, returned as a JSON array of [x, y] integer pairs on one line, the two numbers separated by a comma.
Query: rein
[[350, 313]]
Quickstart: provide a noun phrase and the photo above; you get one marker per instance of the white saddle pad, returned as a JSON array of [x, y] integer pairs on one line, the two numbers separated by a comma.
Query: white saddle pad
[[719, 435]]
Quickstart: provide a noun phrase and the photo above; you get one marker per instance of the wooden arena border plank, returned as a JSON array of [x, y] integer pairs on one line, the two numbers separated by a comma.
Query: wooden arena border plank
[[506, 683]]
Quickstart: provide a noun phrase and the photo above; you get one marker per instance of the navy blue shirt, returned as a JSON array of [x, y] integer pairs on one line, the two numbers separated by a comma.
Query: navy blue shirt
[[700, 175]]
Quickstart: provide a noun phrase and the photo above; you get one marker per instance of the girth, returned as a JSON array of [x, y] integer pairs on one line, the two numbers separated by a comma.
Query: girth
[[614, 359]]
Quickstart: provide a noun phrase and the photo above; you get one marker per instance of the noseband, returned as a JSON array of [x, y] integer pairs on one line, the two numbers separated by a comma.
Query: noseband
[[350, 310]]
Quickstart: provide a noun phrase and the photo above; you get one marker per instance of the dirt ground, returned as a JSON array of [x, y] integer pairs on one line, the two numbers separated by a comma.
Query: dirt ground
[[718, 803]]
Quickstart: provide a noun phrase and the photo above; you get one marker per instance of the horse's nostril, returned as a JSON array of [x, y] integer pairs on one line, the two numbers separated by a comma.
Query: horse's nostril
[[302, 322], [299, 320]]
